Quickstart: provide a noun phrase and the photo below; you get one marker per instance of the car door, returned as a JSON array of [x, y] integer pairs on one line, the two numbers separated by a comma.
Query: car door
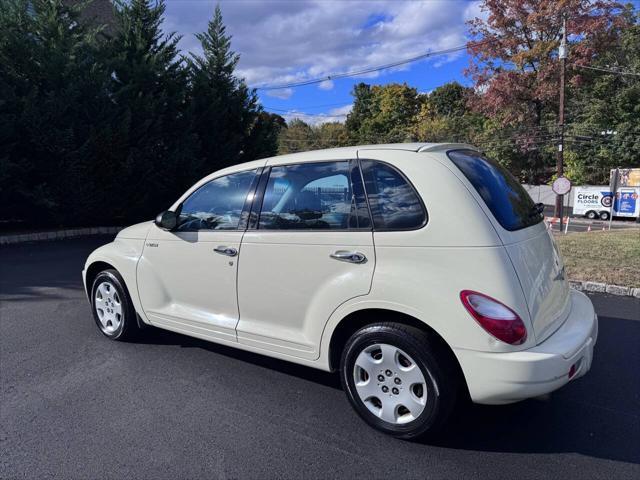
[[187, 277], [307, 250]]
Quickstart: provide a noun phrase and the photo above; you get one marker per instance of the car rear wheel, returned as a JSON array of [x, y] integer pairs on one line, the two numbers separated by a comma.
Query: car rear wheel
[[112, 307], [398, 379], [604, 215]]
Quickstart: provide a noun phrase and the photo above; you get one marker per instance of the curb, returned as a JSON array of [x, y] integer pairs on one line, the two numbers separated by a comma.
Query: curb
[[586, 286], [57, 235]]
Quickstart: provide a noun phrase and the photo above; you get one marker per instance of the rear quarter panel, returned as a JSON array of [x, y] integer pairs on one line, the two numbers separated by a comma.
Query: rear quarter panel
[[422, 272], [537, 263]]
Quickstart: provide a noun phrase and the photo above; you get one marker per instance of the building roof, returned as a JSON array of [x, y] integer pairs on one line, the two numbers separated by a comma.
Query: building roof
[[97, 13]]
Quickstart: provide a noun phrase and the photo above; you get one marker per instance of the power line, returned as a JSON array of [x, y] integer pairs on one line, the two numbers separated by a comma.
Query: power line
[[321, 115], [306, 107], [377, 68], [618, 72]]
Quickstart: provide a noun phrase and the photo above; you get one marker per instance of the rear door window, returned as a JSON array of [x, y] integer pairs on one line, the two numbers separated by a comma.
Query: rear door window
[[508, 201]]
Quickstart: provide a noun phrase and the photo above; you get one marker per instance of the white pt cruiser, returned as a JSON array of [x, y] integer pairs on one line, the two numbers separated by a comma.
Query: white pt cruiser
[[421, 272]]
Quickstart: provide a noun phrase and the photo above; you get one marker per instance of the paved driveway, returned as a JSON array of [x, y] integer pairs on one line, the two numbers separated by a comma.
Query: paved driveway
[[75, 405]]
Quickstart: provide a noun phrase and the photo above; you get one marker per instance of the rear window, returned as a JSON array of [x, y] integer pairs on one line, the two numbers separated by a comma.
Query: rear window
[[508, 201]]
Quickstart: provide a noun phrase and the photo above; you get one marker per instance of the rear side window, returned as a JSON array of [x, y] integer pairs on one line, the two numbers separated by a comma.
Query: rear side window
[[509, 203], [394, 203]]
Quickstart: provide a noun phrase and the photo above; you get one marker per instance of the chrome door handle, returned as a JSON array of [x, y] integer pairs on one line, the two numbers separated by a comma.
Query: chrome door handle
[[228, 251], [351, 257]]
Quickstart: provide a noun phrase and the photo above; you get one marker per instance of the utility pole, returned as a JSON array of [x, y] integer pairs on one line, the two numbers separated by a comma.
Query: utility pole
[[562, 55]]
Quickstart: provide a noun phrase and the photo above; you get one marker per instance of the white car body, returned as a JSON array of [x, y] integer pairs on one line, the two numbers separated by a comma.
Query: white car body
[[283, 296]]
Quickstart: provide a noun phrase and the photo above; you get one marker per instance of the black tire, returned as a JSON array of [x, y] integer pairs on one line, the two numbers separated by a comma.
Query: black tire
[[128, 328], [604, 215], [441, 377], [591, 215]]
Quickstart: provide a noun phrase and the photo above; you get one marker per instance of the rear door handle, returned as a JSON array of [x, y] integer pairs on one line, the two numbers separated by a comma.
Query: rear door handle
[[224, 250], [346, 256]]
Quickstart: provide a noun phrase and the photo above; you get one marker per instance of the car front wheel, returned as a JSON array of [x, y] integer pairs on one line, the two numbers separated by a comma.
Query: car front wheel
[[398, 379], [112, 308]]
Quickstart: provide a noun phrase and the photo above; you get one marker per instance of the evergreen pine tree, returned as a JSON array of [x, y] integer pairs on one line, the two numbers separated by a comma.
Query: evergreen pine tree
[[52, 79], [223, 109], [149, 89], [263, 139]]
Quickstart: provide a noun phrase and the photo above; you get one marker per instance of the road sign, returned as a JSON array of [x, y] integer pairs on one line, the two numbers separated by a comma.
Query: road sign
[[561, 186]]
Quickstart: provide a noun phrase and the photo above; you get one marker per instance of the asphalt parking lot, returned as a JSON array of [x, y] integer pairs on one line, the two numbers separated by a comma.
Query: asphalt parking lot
[[75, 405]]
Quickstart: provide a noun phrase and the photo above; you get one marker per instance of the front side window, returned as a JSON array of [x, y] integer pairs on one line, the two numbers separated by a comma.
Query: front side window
[[217, 205], [395, 205], [316, 196], [508, 201]]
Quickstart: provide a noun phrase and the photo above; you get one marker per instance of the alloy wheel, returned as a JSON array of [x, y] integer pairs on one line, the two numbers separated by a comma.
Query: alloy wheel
[[108, 306]]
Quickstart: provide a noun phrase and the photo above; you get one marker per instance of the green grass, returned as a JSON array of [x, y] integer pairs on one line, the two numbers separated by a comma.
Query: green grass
[[610, 257]]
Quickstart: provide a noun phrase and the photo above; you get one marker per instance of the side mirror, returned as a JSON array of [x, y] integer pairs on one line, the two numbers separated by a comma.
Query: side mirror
[[167, 220]]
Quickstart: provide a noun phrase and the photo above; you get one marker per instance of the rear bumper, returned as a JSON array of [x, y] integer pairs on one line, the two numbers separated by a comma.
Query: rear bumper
[[498, 378]]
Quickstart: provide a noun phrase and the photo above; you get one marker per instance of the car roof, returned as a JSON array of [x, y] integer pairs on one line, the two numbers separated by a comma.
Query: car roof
[[352, 152], [341, 153]]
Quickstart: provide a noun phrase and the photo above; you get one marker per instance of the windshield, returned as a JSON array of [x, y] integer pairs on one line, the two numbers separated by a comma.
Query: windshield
[[508, 201]]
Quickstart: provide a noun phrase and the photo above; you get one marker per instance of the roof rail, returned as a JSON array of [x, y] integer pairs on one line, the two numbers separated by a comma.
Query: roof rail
[[445, 146]]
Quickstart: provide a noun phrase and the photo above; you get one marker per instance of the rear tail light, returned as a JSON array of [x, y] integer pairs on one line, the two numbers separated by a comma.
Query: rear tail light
[[495, 317], [574, 368]]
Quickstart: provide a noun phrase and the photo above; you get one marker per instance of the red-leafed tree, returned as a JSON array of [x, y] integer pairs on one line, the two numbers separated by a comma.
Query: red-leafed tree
[[514, 66]]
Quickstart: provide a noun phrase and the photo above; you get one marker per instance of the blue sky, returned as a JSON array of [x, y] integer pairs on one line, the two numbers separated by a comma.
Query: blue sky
[[283, 41]]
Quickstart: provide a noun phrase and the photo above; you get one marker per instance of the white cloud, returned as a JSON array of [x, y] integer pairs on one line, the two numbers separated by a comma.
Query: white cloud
[[326, 85], [335, 115], [283, 41], [474, 10], [281, 93], [342, 110]]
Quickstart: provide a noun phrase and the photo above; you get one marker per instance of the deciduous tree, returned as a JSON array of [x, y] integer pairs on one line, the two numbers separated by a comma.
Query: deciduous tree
[[515, 62], [383, 113], [446, 117], [606, 111], [298, 136]]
